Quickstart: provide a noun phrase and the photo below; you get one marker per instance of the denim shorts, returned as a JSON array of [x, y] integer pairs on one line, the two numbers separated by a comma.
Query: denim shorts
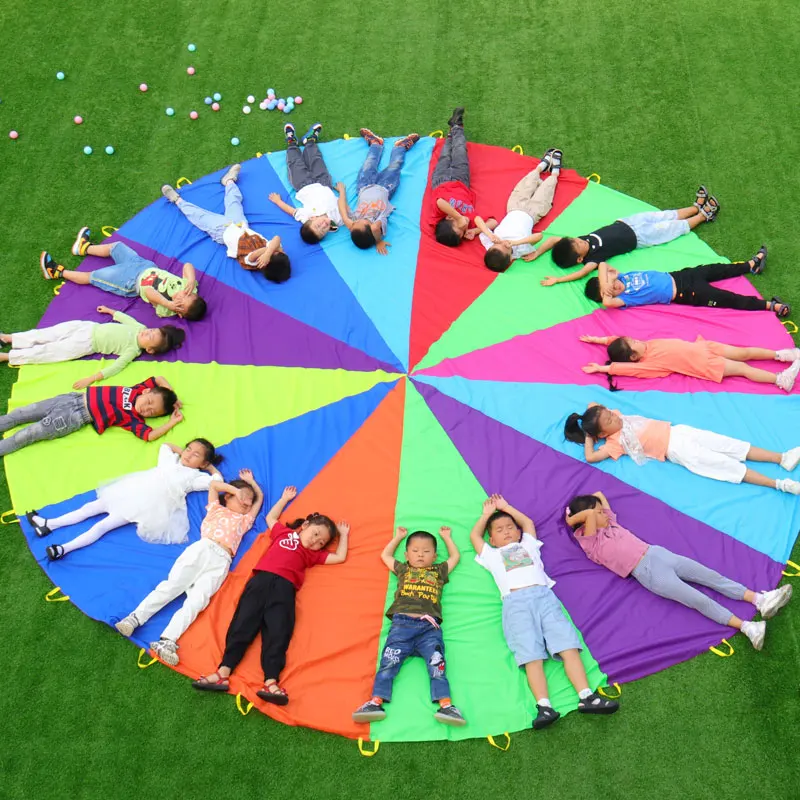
[[535, 625], [121, 277]]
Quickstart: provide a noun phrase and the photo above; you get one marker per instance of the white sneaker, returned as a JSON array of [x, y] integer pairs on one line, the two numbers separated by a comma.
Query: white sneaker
[[755, 632], [787, 485], [232, 174], [791, 458], [789, 354], [772, 602], [166, 650], [785, 380], [170, 193], [128, 625]]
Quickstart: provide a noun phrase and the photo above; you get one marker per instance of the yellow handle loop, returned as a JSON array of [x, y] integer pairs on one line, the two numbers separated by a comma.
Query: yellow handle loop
[[594, 175], [602, 691], [57, 289], [9, 517], [368, 753], [788, 322], [107, 230], [139, 663], [433, 135], [517, 148], [243, 710], [795, 567], [50, 597], [717, 652], [493, 743], [181, 182], [258, 155]]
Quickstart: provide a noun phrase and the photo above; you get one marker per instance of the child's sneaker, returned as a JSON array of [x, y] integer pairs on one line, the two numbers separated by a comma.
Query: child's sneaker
[[166, 650], [407, 141], [449, 715], [231, 175], [755, 632], [369, 712], [372, 138], [785, 379], [55, 552], [82, 241], [597, 704], [700, 197], [313, 133], [788, 354], [290, 134], [127, 625], [170, 193], [790, 459], [710, 209], [787, 485], [51, 270], [545, 715], [457, 118], [770, 603]]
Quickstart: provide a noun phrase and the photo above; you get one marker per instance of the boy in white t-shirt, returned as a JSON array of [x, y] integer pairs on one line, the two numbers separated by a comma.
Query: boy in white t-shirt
[[319, 212], [531, 199], [534, 623]]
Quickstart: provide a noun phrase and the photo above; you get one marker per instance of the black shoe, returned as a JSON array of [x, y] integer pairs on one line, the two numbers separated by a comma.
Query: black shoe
[[369, 712], [449, 715], [39, 530], [710, 209], [786, 309], [761, 261], [51, 270], [55, 552], [700, 197], [457, 118], [597, 704], [546, 716]]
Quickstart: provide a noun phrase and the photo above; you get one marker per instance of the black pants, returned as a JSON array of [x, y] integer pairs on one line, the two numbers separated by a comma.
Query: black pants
[[266, 605], [694, 288]]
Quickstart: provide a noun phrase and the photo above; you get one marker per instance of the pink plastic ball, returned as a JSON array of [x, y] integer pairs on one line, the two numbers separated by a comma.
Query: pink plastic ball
[[190, 70], [142, 87], [281, 106], [78, 119], [13, 135], [193, 114], [215, 106], [298, 101]]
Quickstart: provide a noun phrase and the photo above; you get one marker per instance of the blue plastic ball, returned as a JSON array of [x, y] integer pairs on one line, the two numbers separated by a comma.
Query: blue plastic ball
[[60, 76], [271, 92], [282, 100], [87, 150], [287, 109], [109, 150], [271, 105], [217, 96], [170, 112], [208, 101], [235, 141], [191, 48]]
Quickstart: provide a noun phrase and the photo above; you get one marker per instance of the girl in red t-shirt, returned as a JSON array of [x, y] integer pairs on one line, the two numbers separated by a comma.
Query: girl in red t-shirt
[[267, 604]]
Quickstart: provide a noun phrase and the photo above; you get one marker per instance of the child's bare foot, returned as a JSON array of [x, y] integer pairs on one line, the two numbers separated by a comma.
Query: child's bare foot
[[758, 262], [372, 138]]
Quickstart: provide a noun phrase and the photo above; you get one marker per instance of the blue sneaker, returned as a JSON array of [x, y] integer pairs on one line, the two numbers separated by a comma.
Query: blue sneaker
[[312, 134]]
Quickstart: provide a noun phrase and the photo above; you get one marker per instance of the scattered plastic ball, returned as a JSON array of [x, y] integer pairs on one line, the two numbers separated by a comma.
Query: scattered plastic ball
[[87, 150], [271, 92], [190, 70], [215, 106], [282, 101], [271, 105], [170, 112], [217, 96], [281, 105], [251, 99], [142, 87], [287, 109], [191, 48], [246, 109], [13, 135], [208, 101], [60, 76], [193, 114], [78, 119], [298, 100], [263, 105], [235, 141], [109, 150]]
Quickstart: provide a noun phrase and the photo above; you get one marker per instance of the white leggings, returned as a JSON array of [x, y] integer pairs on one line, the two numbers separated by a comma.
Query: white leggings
[[98, 530]]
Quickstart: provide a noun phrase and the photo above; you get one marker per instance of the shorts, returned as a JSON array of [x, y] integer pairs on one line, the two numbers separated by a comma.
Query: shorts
[[711, 455], [121, 278], [535, 625]]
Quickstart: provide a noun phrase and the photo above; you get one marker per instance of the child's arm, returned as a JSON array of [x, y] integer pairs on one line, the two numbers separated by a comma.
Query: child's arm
[[163, 383], [387, 554], [573, 276], [276, 198], [546, 245], [593, 456], [247, 476], [606, 340], [341, 549], [603, 500], [448, 210], [156, 299], [262, 255], [478, 529], [289, 493], [381, 245], [581, 518], [453, 556], [485, 229], [190, 277], [344, 211], [613, 302], [593, 367], [532, 239], [156, 433], [524, 522], [214, 489]]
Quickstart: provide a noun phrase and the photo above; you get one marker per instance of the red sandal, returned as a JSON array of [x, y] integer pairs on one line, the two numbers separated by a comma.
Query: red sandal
[[273, 693]]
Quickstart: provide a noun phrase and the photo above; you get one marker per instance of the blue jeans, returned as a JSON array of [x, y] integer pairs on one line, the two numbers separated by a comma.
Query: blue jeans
[[389, 177], [410, 636], [656, 227], [121, 278], [214, 224], [52, 419]]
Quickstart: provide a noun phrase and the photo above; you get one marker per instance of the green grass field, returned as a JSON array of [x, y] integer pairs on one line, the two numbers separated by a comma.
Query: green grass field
[[655, 98]]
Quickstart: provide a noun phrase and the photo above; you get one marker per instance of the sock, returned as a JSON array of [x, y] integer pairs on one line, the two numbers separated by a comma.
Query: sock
[[555, 171], [758, 598], [377, 700], [444, 702], [41, 521], [584, 693], [544, 702]]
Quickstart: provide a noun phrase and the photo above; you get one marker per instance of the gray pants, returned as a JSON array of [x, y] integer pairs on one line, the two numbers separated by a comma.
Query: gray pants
[[453, 164], [666, 574], [306, 167], [51, 419]]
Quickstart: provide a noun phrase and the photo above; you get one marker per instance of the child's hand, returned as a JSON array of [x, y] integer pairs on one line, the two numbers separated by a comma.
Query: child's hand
[[489, 506], [470, 234], [105, 310], [401, 533], [83, 383], [343, 526], [590, 368], [383, 247], [246, 475], [499, 502], [289, 493], [176, 416], [549, 280], [445, 532], [275, 197]]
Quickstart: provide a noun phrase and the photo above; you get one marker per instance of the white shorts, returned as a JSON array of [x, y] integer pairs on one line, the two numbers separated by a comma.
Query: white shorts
[[711, 455]]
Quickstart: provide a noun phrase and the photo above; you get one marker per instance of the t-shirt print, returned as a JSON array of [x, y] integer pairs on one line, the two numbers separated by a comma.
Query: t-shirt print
[[515, 556], [371, 210], [291, 541]]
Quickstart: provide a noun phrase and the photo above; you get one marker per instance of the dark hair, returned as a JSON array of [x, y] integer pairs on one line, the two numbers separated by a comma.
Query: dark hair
[[212, 456], [171, 338], [579, 426], [238, 484], [496, 260], [363, 238], [582, 502], [315, 518], [446, 233], [564, 253], [618, 350], [278, 268], [428, 537], [308, 234], [168, 398], [592, 289], [498, 515], [196, 310]]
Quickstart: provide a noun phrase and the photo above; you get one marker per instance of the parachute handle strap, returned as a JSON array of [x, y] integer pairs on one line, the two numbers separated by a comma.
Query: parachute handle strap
[[140, 663], [717, 652], [50, 597], [9, 517], [505, 747], [376, 745], [244, 709], [788, 322], [108, 230], [183, 181], [594, 175], [795, 567], [603, 692], [437, 134], [517, 148]]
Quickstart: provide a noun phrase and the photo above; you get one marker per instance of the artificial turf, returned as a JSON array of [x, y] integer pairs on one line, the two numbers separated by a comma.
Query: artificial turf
[[655, 98]]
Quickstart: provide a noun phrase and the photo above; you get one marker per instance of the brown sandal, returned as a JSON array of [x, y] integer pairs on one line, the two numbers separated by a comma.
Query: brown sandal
[[273, 693]]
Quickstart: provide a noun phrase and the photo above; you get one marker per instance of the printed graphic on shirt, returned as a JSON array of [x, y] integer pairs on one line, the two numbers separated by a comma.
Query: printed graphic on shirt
[[371, 210], [467, 209], [635, 281], [515, 556], [420, 584], [291, 541]]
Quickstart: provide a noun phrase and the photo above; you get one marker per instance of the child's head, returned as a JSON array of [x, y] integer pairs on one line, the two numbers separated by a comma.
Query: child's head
[[316, 531], [191, 308], [279, 268], [498, 257], [156, 402], [420, 549], [233, 503], [502, 529], [567, 252], [626, 349], [581, 503], [314, 229], [156, 341], [592, 289], [199, 453], [362, 234], [597, 422], [448, 233]]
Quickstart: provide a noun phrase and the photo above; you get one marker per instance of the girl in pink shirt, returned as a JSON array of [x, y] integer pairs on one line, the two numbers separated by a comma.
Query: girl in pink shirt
[[711, 455], [664, 573], [710, 361]]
